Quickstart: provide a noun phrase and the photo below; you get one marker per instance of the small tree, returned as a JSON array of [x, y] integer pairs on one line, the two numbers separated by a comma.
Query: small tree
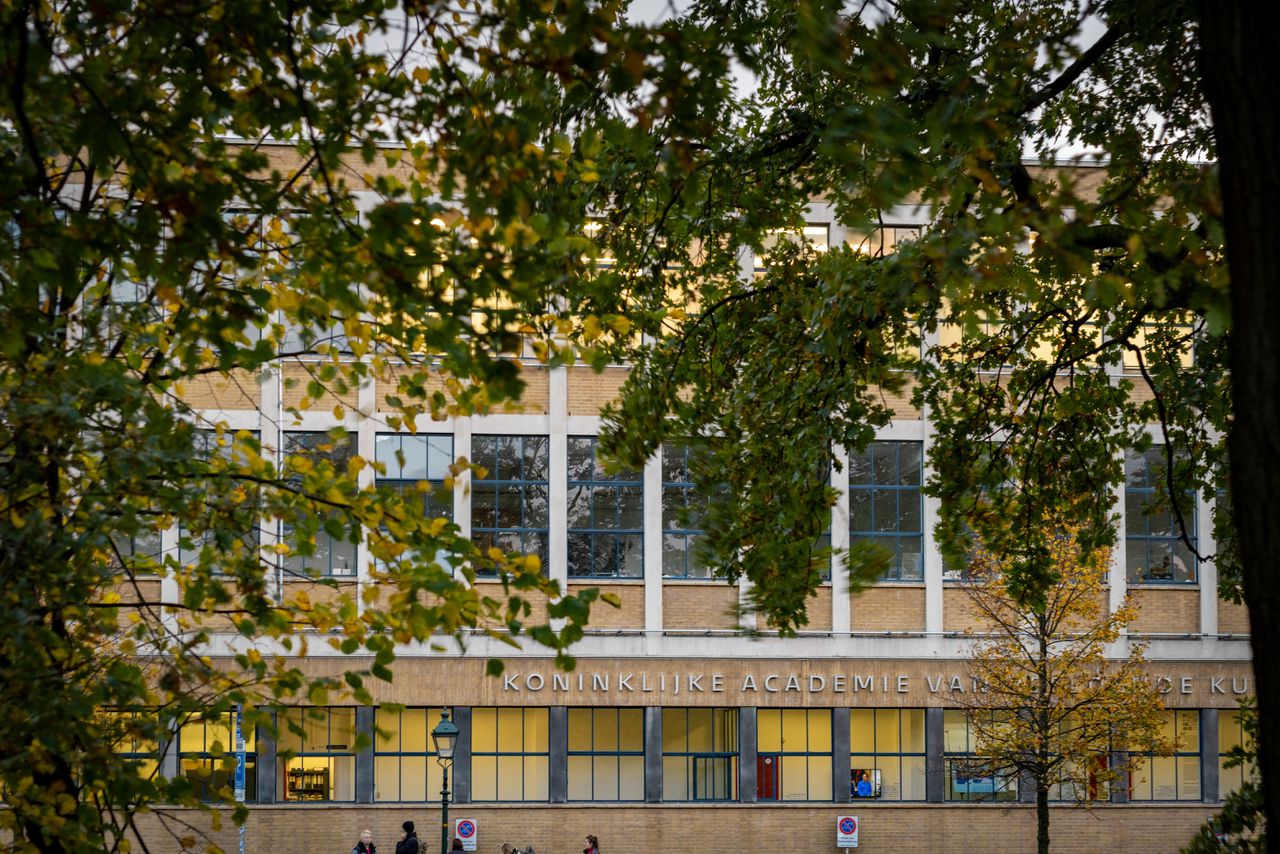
[[1051, 706]]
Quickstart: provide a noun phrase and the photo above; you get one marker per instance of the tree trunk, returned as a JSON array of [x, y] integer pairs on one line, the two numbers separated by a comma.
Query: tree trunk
[[1241, 70], [1042, 818]]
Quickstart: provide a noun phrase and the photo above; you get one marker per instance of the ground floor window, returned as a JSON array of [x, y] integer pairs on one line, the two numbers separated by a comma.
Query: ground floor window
[[699, 754], [510, 754], [1231, 735], [207, 755], [968, 778], [886, 754], [133, 737], [793, 755], [606, 754], [318, 755], [1170, 778], [404, 758]]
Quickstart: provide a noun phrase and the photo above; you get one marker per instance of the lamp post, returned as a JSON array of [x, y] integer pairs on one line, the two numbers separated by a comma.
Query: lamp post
[[445, 738]]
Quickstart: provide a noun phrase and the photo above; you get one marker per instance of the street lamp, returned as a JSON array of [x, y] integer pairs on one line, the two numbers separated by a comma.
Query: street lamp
[[445, 738]]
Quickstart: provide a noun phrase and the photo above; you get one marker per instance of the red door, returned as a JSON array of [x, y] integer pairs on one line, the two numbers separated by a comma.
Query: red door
[[767, 777]]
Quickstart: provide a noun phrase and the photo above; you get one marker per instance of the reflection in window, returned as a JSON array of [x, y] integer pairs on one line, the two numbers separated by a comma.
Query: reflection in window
[[606, 754], [510, 757], [682, 507], [330, 555], [1231, 734], [699, 754], [1170, 778], [404, 757], [606, 516], [206, 751], [793, 755], [886, 506], [221, 530], [881, 241], [132, 735], [318, 761], [509, 504], [886, 754], [415, 461], [1154, 550], [968, 777]]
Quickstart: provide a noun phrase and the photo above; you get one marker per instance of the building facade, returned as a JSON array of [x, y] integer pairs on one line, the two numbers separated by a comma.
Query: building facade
[[686, 726]]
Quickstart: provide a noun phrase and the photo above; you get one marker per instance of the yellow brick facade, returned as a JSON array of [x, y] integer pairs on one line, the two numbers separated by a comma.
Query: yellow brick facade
[[589, 391], [888, 608], [699, 605], [1166, 610]]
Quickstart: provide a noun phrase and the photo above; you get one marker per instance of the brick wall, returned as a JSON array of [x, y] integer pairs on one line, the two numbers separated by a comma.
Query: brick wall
[[589, 391], [236, 390], [819, 610], [887, 608], [718, 829], [1233, 619], [293, 392], [695, 605], [605, 616], [1166, 610]]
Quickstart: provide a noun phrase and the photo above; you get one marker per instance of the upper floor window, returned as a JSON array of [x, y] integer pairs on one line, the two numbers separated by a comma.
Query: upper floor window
[[699, 754], [886, 505], [793, 759], [606, 754], [223, 527], [509, 504], [682, 507], [416, 466], [886, 754], [404, 757], [327, 554], [318, 754], [815, 236], [606, 516], [510, 757], [1154, 548], [207, 753]]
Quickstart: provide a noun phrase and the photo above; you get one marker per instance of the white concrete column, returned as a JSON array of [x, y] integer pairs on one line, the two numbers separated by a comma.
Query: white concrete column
[[653, 544], [840, 543], [558, 477], [271, 417], [933, 584], [366, 439], [1208, 569]]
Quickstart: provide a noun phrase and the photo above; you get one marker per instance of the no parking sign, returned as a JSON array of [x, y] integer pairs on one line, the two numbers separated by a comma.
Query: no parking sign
[[847, 831], [465, 830]]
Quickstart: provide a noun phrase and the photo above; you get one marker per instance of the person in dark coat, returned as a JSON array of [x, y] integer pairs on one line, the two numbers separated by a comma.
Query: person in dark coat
[[365, 845], [408, 843]]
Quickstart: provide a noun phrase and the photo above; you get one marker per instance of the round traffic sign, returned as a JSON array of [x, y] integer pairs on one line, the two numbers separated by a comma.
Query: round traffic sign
[[848, 824], [466, 829]]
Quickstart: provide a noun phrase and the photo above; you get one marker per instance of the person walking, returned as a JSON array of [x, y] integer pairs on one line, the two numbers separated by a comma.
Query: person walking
[[408, 843], [457, 844], [593, 845], [365, 845]]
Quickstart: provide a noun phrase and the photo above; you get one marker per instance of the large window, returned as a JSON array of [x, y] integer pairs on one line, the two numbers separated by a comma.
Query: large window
[[793, 761], [510, 758], [133, 737], [1154, 550], [330, 555], [223, 527], [885, 505], [318, 754], [699, 754], [682, 507], [968, 779], [606, 754], [417, 467], [886, 754], [1231, 734], [1170, 778], [404, 758], [606, 516], [206, 750], [509, 504]]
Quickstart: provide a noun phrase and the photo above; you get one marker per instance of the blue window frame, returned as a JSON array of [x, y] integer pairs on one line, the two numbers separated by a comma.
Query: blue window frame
[[410, 460], [886, 505], [682, 506], [329, 555], [206, 751], [699, 754], [404, 758], [509, 504], [1154, 550], [219, 527], [606, 754], [606, 516]]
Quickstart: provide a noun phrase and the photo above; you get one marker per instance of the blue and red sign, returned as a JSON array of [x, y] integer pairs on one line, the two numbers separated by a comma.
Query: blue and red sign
[[848, 824], [847, 831], [464, 830]]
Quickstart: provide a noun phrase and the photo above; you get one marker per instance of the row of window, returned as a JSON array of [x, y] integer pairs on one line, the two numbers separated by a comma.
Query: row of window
[[511, 757], [605, 511]]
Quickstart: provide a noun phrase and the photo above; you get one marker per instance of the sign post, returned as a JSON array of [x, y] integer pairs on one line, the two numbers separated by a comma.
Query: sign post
[[239, 781], [464, 829], [847, 831]]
